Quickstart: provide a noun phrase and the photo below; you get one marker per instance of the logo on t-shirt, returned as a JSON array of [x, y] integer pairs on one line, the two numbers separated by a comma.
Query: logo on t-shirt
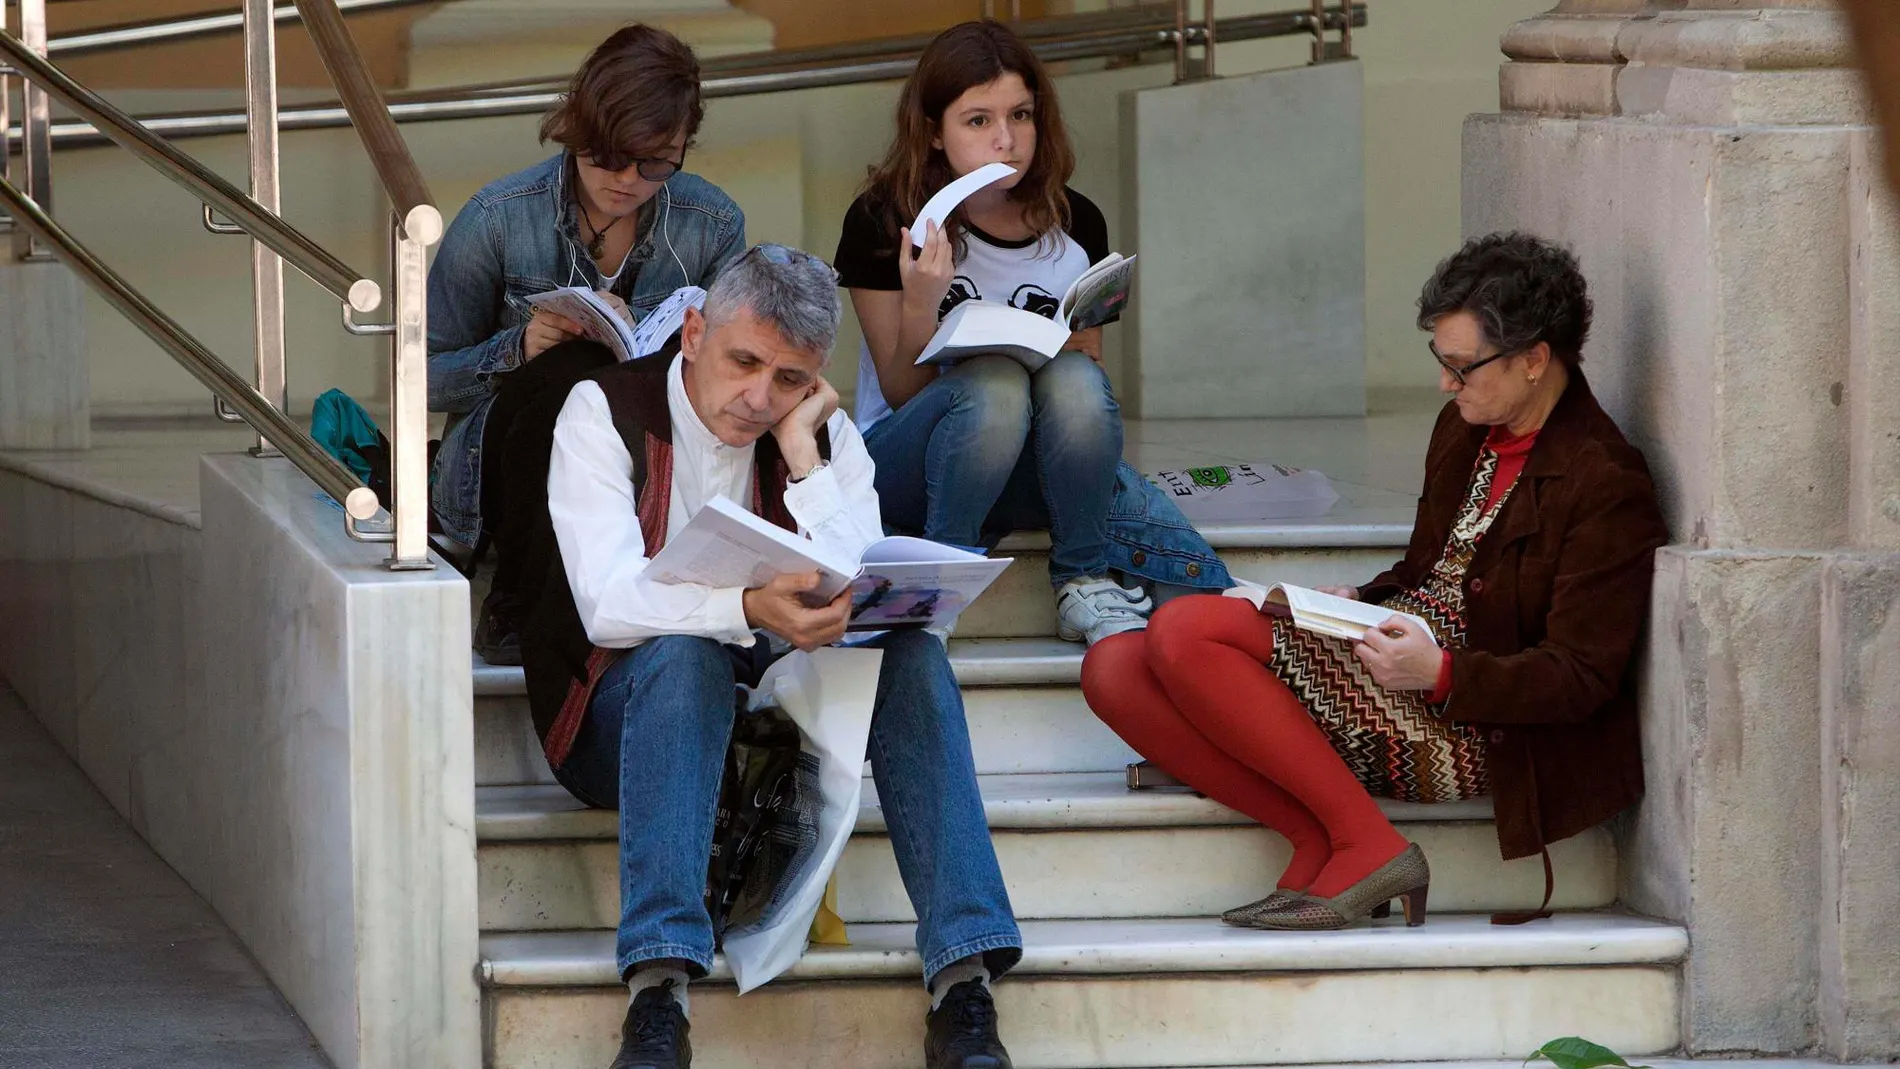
[[1033, 298], [962, 288]]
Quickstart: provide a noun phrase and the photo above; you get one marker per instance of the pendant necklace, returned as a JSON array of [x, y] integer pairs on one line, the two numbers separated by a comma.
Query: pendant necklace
[[598, 242]]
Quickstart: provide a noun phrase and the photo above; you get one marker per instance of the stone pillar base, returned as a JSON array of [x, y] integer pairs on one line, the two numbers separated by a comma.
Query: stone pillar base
[[1860, 807], [45, 382]]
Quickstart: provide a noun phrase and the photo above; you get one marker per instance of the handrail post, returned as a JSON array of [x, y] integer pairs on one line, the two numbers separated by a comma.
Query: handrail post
[[1180, 40], [36, 127], [267, 268], [6, 123], [409, 399], [1209, 33]]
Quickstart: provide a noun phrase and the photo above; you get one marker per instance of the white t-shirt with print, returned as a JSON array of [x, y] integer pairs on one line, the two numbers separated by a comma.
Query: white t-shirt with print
[[1029, 274]]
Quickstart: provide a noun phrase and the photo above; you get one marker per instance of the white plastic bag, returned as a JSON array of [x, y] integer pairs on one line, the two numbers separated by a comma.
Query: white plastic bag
[[1243, 493], [829, 694]]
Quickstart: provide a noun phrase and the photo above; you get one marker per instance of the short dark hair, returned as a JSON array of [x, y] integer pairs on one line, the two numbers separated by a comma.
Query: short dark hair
[[638, 88], [1522, 290]]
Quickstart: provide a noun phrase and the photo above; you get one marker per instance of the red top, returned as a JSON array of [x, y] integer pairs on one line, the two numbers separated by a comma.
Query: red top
[[1513, 451]]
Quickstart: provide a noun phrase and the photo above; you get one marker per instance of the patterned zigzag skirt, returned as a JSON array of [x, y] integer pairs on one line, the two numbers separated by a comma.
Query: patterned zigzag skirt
[[1389, 739]]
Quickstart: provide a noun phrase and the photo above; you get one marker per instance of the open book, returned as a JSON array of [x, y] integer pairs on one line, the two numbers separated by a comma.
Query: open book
[[896, 582], [1322, 614], [599, 321], [976, 327]]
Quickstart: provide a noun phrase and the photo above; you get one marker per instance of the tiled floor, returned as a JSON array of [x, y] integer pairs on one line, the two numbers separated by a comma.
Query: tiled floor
[[1377, 460], [108, 960]]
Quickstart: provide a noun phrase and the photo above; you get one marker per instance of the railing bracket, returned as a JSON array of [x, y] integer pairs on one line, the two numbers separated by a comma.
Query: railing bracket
[[364, 330]]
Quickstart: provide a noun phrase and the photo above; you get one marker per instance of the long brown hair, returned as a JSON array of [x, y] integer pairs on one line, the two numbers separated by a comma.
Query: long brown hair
[[959, 59]]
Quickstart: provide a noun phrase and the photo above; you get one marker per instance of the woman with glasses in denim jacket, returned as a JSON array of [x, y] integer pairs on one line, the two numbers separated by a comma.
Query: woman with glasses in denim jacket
[[612, 212], [988, 447]]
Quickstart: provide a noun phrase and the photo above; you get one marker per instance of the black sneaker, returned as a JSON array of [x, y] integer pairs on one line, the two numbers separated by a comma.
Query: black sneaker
[[961, 1032], [654, 1034], [496, 637]]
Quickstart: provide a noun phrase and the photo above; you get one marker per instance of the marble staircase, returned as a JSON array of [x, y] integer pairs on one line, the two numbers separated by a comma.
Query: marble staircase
[[1125, 963]]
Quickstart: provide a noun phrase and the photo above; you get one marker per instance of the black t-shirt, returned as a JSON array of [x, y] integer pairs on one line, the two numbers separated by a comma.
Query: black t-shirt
[[1026, 274]]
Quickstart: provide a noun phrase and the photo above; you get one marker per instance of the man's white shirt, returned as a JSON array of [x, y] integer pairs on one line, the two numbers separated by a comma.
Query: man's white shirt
[[591, 499]]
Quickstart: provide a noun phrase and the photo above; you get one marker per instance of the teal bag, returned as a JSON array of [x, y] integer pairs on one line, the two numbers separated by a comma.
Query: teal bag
[[345, 431]]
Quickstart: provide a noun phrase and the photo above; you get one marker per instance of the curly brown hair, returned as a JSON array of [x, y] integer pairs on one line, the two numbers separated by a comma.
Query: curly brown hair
[[1521, 289], [957, 60], [637, 89]]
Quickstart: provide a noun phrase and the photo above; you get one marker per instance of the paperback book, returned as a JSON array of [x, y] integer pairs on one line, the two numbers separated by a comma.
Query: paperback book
[[897, 582]]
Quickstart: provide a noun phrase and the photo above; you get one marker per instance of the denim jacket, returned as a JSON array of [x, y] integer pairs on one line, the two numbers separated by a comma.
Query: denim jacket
[[519, 236], [1148, 537]]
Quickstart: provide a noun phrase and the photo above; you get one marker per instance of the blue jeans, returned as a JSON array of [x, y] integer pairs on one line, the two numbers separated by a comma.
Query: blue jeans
[[654, 743], [988, 449]]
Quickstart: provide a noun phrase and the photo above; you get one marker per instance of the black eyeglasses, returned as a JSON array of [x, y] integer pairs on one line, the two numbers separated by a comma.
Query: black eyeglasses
[[652, 168], [1459, 373]]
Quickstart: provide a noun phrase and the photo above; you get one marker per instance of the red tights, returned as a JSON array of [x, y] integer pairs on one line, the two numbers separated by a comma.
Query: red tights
[[1193, 693]]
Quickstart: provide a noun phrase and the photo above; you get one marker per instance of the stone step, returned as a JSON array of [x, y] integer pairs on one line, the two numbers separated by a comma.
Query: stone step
[[1028, 802], [1021, 699], [1075, 846], [1074, 875], [1021, 604], [1129, 993]]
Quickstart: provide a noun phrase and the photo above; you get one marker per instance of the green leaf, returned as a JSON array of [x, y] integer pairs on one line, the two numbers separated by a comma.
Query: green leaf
[[1575, 1053]]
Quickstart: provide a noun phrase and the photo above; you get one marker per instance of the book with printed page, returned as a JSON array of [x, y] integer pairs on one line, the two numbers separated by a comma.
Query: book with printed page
[[897, 582], [601, 323], [977, 327], [1322, 614]]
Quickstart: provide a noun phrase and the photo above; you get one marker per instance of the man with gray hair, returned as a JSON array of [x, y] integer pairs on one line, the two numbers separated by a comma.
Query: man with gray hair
[[631, 681]]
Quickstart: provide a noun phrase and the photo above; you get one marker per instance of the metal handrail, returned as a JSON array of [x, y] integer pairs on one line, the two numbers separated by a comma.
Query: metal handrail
[[369, 114], [764, 74], [358, 501], [293, 245], [212, 24]]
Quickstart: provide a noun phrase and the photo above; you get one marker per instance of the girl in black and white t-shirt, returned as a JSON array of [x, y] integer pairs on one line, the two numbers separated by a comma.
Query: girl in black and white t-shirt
[[985, 448]]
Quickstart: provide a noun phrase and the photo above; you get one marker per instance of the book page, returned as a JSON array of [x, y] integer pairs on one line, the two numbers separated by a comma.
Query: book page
[[1343, 617], [597, 320], [903, 549], [945, 200], [726, 546], [1100, 294], [893, 595], [975, 327], [663, 322]]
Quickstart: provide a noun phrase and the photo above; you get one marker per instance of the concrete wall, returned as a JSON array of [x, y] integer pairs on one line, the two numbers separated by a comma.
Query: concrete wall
[[289, 725], [792, 160]]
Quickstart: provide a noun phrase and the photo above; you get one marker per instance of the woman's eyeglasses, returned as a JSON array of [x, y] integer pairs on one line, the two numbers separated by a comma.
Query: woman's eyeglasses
[[1461, 373], [652, 168]]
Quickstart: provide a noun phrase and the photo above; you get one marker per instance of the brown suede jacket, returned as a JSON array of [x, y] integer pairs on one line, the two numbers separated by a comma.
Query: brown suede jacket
[[1555, 603]]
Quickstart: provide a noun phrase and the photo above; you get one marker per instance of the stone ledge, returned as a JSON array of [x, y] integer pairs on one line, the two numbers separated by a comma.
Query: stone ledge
[[1711, 40], [1014, 802], [1193, 945]]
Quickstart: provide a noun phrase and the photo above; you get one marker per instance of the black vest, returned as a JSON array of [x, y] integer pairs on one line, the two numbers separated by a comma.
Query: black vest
[[560, 663]]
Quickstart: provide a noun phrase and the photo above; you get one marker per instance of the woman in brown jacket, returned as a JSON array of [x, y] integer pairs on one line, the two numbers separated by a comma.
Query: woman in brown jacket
[[1531, 558]]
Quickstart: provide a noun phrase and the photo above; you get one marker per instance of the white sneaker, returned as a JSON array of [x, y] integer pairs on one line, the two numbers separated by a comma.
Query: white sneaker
[[1094, 609]]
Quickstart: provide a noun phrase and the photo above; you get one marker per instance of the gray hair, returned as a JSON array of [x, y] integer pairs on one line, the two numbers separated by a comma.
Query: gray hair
[[794, 291]]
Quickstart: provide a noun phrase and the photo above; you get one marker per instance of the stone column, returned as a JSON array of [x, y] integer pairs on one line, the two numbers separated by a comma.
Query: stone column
[[1712, 163], [45, 382]]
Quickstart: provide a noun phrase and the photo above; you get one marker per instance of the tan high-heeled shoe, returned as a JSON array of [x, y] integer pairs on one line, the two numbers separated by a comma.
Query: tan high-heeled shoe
[[1239, 915], [1406, 877]]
